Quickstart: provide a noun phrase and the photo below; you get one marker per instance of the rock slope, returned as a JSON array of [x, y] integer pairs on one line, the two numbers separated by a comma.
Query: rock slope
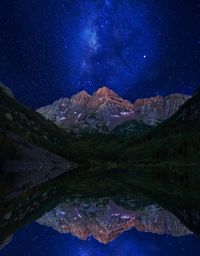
[[190, 111], [6, 89]]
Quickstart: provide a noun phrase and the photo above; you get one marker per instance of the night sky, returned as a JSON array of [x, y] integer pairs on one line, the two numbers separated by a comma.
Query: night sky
[[35, 240], [139, 48]]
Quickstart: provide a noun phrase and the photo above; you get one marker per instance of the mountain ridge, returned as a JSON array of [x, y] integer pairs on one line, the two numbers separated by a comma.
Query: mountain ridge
[[104, 110], [173, 140]]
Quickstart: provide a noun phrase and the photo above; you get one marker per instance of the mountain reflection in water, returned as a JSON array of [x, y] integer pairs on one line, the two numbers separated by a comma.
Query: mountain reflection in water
[[151, 230], [105, 220], [154, 215]]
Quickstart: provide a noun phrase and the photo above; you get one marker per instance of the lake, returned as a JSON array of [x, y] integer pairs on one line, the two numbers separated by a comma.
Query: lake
[[106, 211]]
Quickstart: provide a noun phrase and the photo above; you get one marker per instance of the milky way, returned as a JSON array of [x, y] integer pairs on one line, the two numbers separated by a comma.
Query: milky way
[[139, 48], [116, 43]]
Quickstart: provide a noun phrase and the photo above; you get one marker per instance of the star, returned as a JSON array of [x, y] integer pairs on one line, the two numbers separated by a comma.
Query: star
[[133, 47]]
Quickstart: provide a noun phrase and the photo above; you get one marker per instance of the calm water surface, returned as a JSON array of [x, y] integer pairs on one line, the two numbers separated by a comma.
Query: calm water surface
[[132, 215]]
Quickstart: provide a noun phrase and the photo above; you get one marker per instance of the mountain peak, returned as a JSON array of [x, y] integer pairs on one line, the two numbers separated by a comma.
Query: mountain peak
[[104, 91], [105, 109], [81, 94]]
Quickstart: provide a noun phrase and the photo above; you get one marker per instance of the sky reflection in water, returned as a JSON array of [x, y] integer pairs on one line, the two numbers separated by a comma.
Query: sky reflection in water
[[35, 239]]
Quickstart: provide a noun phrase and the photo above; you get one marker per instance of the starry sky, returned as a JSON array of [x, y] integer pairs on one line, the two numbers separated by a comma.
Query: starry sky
[[35, 240], [139, 48]]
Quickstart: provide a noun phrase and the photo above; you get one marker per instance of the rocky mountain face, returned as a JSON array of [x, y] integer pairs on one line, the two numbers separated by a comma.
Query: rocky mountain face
[[82, 111], [157, 109], [191, 109], [105, 222], [104, 110]]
